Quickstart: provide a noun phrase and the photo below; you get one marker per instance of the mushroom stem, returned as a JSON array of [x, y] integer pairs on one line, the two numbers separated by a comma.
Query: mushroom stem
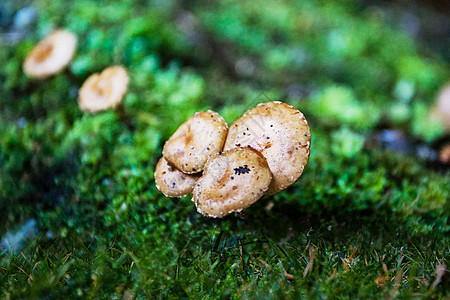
[[126, 119]]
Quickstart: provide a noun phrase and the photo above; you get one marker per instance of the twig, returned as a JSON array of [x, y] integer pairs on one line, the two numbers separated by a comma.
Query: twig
[[24, 272]]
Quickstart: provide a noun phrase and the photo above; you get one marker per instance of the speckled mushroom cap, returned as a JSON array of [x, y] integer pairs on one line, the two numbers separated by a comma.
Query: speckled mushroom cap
[[172, 182], [281, 133], [231, 181], [195, 140], [51, 55], [103, 90]]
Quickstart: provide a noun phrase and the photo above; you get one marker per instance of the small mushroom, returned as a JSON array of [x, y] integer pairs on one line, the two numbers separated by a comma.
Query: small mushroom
[[103, 90], [172, 182], [51, 55], [195, 140], [444, 154], [441, 109], [231, 181], [281, 133]]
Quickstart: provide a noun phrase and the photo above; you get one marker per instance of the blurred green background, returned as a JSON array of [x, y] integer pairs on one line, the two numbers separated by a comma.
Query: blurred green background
[[82, 218]]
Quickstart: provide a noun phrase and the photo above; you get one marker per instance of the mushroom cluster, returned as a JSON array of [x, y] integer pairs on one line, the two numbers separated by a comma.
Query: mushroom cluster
[[227, 170]]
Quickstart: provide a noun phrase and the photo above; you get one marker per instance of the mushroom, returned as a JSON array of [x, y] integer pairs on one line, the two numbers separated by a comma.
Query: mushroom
[[51, 55], [103, 90], [172, 182], [282, 135], [441, 108], [195, 140], [231, 181], [444, 154]]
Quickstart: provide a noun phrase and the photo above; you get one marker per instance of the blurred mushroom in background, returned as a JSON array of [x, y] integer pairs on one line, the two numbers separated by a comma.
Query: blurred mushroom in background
[[444, 154], [103, 90], [51, 55], [441, 109]]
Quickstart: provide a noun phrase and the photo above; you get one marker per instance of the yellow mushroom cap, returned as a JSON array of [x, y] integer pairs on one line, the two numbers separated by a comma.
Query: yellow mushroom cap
[[103, 90], [281, 133], [51, 55], [195, 140], [231, 181], [172, 182]]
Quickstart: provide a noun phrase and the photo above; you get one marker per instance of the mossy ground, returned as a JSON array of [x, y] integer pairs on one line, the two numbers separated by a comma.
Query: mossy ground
[[361, 222]]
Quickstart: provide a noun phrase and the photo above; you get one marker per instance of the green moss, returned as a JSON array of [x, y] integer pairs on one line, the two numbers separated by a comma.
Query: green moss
[[346, 143], [424, 125], [360, 223], [338, 105]]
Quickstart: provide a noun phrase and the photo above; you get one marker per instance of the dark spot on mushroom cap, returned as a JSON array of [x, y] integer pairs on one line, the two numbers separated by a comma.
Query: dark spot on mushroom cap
[[241, 170], [291, 127]]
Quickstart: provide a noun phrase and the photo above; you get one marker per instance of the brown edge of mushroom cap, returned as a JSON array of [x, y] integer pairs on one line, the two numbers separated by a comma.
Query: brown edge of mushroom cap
[[104, 90], [201, 136], [172, 182], [231, 181], [50, 55]]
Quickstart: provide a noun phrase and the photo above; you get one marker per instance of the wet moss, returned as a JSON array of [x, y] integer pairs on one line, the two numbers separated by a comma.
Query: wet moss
[[361, 222]]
